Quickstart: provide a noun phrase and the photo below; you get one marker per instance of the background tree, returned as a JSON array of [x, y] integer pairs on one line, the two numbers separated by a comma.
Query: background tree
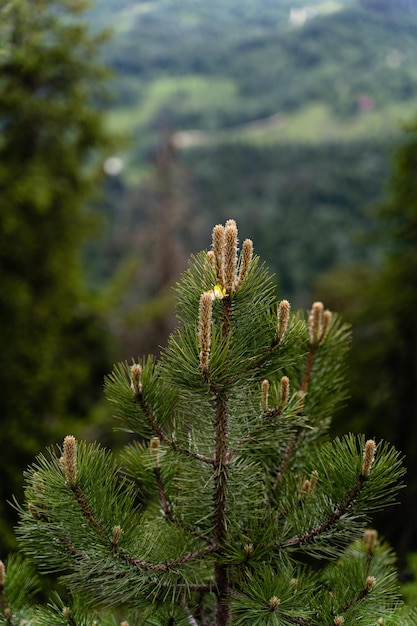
[[381, 303], [257, 518], [52, 140]]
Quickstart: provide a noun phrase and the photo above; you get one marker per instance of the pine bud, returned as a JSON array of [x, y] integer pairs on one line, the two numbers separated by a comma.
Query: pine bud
[[211, 259], [248, 551], [265, 394], [66, 612], [218, 252], [204, 329], [339, 620], [285, 390], [230, 255], [69, 459], [246, 259], [283, 317], [380, 621], [310, 485], [370, 537], [124, 623], [315, 322], [327, 318], [116, 534], [294, 585], [274, 603], [136, 379], [2, 575], [370, 582], [368, 457], [154, 450]]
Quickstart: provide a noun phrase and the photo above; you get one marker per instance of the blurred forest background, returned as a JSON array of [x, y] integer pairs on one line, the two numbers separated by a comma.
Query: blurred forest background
[[119, 153]]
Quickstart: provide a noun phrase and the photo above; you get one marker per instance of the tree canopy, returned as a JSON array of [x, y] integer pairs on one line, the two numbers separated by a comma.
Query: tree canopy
[[52, 139]]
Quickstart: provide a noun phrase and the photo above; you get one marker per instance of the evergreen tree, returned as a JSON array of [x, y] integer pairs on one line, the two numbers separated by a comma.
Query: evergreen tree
[[52, 139], [381, 302], [252, 515]]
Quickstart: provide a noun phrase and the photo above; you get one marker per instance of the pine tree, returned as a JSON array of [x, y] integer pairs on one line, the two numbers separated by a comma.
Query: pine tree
[[231, 506], [52, 143]]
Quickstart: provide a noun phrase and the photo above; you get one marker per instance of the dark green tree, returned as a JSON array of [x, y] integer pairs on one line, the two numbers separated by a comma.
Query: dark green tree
[[52, 138], [381, 302], [254, 516]]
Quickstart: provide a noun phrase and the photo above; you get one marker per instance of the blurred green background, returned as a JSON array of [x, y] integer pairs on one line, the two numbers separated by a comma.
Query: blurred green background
[[119, 152]]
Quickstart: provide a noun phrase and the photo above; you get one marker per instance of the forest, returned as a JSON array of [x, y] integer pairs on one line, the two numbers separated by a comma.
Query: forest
[[296, 121]]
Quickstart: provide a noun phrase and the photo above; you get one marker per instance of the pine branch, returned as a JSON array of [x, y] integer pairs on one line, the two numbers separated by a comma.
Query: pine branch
[[294, 438], [360, 596], [86, 509], [270, 414], [167, 565], [333, 518], [220, 508], [169, 514], [159, 432]]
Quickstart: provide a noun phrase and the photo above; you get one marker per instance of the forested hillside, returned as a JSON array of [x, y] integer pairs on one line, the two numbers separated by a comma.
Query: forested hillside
[[280, 114], [220, 65]]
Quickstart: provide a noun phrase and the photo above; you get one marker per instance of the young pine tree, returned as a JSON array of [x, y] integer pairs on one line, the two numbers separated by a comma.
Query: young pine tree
[[231, 507]]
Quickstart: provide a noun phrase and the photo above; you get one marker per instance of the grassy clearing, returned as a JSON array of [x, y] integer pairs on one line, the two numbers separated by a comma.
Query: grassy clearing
[[313, 124], [185, 93]]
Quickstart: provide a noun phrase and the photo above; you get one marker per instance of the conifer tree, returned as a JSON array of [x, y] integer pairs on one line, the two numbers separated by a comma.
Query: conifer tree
[[231, 506], [53, 140]]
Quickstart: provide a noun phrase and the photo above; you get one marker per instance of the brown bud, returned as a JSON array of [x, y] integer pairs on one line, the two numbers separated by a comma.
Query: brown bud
[[370, 582], [136, 379], [69, 459], [248, 550], [66, 612], [370, 537], [285, 390], [218, 252], [116, 534], [283, 317], [211, 259], [327, 318], [265, 394], [245, 259], [315, 322], [230, 255], [368, 457], [310, 484], [274, 603], [154, 449]]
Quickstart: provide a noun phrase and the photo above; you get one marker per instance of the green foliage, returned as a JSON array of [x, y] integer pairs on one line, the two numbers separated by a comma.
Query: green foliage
[[383, 373], [234, 506], [52, 139], [266, 64]]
